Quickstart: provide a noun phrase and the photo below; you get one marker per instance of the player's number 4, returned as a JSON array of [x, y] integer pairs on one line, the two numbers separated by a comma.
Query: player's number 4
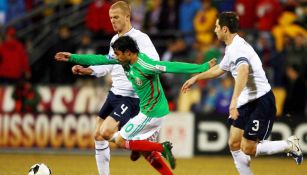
[[256, 127], [124, 108]]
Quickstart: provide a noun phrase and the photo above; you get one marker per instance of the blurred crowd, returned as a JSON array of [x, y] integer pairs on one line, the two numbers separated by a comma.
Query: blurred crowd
[[277, 29]]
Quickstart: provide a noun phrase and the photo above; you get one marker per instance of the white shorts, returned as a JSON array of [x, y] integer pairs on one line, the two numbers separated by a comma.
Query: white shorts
[[142, 127]]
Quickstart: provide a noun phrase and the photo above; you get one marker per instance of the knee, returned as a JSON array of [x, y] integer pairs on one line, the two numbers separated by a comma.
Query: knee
[[234, 145], [248, 150], [98, 136], [106, 134]]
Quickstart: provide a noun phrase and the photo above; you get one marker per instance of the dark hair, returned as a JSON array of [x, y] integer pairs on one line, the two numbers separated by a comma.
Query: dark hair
[[124, 43], [230, 20]]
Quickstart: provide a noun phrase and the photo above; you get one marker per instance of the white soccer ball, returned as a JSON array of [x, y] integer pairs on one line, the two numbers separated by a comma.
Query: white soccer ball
[[39, 169]]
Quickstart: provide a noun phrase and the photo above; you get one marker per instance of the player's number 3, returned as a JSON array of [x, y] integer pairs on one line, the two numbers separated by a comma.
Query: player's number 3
[[256, 127]]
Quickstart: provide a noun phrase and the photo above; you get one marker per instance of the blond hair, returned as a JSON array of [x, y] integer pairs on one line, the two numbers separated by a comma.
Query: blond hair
[[124, 6]]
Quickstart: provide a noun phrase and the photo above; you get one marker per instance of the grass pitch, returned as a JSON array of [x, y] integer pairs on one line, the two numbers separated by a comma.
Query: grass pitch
[[19, 164]]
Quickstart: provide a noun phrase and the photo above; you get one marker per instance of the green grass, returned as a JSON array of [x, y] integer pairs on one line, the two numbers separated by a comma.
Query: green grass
[[19, 164]]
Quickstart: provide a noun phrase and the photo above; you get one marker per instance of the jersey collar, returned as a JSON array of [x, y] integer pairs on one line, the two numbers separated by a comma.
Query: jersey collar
[[130, 31]]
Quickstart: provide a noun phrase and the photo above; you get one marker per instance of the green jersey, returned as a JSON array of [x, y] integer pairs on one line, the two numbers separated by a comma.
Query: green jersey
[[144, 76]]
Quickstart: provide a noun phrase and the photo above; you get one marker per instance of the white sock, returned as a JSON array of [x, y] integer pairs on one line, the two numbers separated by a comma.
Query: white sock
[[242, 162], [271, 147], [102, 157]]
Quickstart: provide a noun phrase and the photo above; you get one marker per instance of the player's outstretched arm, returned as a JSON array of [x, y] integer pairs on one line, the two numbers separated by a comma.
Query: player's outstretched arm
[[187, 85], [80, 70], [213, 72], [181, 67], [85, 59]]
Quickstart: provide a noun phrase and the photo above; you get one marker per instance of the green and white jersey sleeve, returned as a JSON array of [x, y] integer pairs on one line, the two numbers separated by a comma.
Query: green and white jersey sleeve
[[170, 67], [90, 59]]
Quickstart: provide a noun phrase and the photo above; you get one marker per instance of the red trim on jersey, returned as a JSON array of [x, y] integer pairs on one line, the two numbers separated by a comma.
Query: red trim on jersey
[[156, 99], [146, 76], [151, 93]]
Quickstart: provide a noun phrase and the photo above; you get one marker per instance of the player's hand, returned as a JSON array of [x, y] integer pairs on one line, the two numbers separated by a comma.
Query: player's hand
[[62, 56], [212, 62], [80, 70], [187, 85], [233, 111]]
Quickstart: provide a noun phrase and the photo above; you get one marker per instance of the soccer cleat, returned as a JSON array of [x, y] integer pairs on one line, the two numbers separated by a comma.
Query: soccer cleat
[[167, 153], [295, 150], [134, 156]]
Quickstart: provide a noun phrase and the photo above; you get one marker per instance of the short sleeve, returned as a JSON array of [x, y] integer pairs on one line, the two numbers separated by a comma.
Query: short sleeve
[[225, 63], [240, 56], [241, 60]]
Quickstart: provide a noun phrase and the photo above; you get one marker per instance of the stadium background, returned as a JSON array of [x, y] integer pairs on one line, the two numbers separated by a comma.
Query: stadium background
[[46, 113]]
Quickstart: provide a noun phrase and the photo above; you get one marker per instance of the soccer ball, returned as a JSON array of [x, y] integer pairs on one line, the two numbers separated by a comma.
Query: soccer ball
[[39, 169]]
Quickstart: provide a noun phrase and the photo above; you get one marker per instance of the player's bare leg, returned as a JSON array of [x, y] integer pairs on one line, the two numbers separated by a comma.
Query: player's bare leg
[[134, 156], [108, 128], [241, 160], [103, 131]]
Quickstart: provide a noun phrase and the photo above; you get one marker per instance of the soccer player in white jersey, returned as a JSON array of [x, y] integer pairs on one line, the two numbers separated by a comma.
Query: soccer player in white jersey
[[252, 108], [122, 103]]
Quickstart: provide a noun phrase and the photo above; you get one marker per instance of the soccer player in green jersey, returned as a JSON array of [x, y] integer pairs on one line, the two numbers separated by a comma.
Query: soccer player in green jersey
[[143, 72]]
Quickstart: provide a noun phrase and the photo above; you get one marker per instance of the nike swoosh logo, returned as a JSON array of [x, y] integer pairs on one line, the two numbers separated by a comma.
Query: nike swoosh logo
[[116, 114], [252, 134]]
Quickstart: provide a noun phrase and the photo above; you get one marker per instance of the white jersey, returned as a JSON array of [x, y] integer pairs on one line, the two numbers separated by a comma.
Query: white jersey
[[240, 52], [120, 84]]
